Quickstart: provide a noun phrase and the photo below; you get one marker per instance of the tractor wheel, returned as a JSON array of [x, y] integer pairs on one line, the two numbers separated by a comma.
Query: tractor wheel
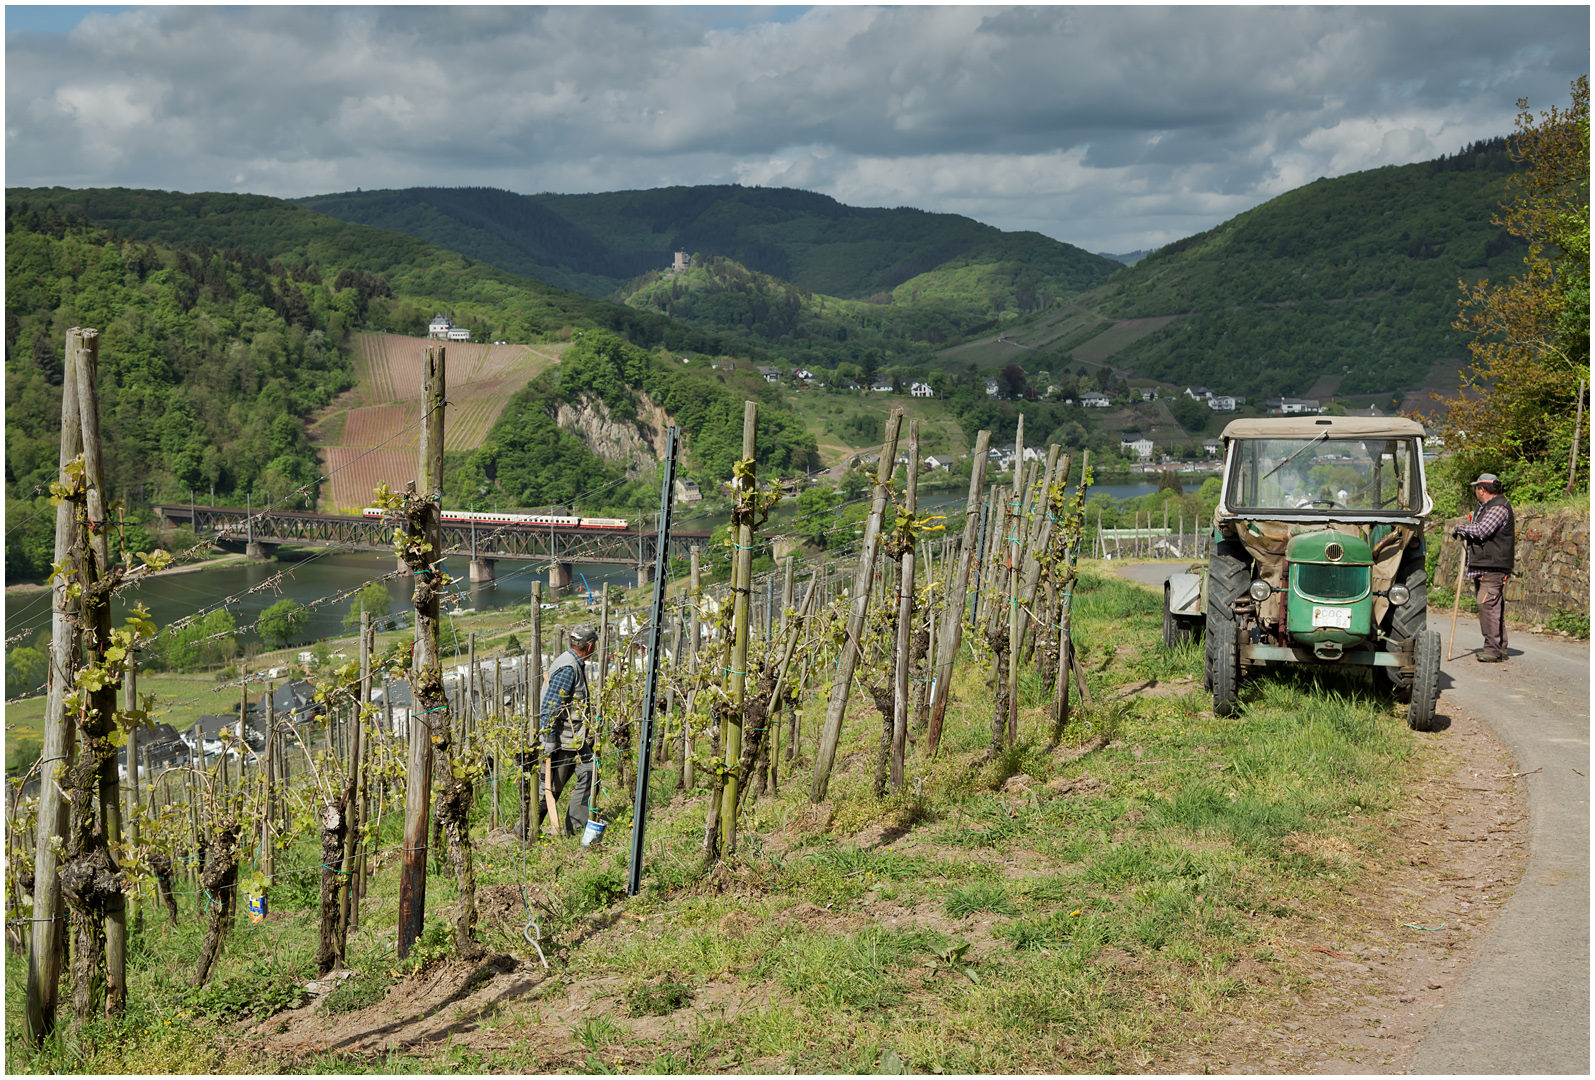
[[1425, 682], [1229, 575], [1223, 663], [1408, 620], [1176, 630]]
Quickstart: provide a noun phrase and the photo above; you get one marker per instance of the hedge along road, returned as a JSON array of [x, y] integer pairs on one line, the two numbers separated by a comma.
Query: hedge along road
[[1524, 1005]]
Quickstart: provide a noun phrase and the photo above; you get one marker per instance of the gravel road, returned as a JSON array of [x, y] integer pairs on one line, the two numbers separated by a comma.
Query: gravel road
[[1524, 1005]]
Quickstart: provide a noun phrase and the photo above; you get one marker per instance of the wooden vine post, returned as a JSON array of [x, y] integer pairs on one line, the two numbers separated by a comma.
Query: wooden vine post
[[720, 834], [48, 930], [863, 581], [903, 682], [953, 622], [420, 545], [1071, 528], [1015, 531], [90, 879]]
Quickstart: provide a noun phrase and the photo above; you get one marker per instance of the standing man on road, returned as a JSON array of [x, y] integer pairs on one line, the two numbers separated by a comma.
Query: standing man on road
[[1490, 534], [567, 734]]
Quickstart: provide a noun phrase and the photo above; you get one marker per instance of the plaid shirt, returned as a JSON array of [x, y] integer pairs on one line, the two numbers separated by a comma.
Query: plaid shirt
[[1484, 523], [556, 706]]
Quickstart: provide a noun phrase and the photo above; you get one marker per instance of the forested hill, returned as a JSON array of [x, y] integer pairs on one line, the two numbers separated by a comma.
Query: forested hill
[[1351, 280], [423, 278], [209, 360], [597, 243]]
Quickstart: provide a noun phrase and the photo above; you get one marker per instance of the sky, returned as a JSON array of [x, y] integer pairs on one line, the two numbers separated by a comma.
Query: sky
[[1112, 128]]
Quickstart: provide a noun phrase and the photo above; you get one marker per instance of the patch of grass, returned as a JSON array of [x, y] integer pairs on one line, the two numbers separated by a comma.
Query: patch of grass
[[592, 890], [854, 971], [597, 1032], [657, 999], [356, 993], [965, 900]]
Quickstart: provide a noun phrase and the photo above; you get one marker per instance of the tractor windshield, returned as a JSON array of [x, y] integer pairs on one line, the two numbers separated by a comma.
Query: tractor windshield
[[1321, 474]]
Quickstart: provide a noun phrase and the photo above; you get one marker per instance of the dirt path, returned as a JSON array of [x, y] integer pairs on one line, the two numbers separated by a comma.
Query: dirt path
[[1504, 988]]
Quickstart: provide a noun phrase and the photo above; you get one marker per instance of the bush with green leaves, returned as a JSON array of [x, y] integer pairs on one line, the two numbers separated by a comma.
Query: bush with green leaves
[[282, 623]]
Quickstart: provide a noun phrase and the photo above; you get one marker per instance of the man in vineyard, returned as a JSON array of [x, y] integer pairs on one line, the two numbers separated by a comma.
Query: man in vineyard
[[1489, 535], [567, 735]]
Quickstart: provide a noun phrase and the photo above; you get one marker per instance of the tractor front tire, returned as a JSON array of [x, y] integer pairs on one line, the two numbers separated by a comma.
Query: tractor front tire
[[1229, 575], [1425, 682], [1223, 664], [1409, 620]]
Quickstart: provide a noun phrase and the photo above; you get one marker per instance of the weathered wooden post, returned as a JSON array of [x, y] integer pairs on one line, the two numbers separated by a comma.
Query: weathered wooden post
[[847, 661], [725, 830], [425, 669], [905, 614], [45, 942], [953, 621]]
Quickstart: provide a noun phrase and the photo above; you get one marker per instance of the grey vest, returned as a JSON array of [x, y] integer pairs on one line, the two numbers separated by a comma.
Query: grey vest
[[569, 721]]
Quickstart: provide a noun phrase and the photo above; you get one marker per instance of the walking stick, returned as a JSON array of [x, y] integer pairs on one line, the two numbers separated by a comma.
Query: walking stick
[[1462, 565]]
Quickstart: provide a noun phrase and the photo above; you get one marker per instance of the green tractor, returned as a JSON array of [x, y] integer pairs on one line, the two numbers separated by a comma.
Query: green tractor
[[1317, 558]]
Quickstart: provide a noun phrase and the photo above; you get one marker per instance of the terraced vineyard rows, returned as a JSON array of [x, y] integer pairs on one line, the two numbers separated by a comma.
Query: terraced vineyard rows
[[388, 366]]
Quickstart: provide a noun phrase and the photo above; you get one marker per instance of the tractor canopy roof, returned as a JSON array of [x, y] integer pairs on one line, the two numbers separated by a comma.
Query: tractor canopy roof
[[1336, 427]]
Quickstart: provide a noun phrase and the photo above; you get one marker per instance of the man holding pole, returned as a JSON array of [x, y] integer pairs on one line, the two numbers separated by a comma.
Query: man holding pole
[[567, 734], [1490, 535]]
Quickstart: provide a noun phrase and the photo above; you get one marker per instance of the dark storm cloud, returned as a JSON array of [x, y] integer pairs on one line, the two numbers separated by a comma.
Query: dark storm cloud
[[1113, 128]]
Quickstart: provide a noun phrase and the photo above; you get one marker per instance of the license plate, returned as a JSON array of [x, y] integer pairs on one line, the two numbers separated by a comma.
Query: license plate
[[1337, 617]]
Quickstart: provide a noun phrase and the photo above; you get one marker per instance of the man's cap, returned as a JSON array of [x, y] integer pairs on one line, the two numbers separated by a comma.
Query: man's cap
[[582, 635], [1486, 478]]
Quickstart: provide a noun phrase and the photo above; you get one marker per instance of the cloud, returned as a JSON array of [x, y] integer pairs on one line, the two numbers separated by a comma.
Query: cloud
[[1110, 127]]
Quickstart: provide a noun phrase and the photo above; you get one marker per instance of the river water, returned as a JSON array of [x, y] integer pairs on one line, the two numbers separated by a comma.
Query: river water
[[309, 575]]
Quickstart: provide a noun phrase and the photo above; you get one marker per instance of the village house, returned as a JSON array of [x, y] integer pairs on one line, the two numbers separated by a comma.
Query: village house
[[1221, 403], [443, 328], [1198, 393], [687, 491], [771, 374], [1095, 400], [921, 389], [940, 461], [1136, 443], [991, 387], [882, 388]]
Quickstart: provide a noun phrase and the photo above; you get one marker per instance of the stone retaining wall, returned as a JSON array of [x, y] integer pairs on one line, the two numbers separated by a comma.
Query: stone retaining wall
[[1553, 560]]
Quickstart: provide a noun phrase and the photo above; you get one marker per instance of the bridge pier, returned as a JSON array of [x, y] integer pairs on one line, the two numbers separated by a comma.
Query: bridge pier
[[645, 576], [559, 578], [260, 551], [481, 570]]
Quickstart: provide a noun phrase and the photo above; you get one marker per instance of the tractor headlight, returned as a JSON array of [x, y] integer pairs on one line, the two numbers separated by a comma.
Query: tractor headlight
[[1260, 590], [1399, 595]]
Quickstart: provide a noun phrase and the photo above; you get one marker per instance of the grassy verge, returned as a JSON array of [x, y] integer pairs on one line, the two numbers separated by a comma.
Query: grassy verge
[[1047, 909]]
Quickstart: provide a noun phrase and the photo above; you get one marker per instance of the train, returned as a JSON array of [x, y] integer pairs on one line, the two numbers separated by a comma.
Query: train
[[485, 517]]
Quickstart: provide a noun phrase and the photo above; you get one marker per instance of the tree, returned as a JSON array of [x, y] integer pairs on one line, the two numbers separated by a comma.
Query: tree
[[871, 364], [281, 623], [27, 667], [1014, 382], [1515, 411], [373, 598], [816, 514]]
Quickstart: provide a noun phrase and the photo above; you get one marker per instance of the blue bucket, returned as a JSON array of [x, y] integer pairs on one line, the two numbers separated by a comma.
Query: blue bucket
[[593, 832]]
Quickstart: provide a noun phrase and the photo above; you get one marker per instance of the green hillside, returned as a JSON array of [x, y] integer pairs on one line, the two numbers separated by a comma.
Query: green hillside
[[210, 362], [1348, 285], [424, 278], [597, 243]]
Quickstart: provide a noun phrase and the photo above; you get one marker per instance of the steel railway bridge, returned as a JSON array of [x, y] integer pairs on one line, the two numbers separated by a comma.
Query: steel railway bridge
[[259, 533]]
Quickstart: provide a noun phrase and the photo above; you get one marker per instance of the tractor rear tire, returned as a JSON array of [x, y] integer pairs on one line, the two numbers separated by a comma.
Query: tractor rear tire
[[1425, 682], [1224, 664], [1407, 621]]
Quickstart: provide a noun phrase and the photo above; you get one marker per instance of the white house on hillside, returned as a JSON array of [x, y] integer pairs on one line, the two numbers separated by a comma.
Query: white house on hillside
[[1095, 400], [443, 328], [771, 374], [1134, 441], [921, 389]]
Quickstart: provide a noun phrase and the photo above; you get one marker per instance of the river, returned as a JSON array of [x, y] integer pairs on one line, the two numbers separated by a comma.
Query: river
[[310, 574]]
